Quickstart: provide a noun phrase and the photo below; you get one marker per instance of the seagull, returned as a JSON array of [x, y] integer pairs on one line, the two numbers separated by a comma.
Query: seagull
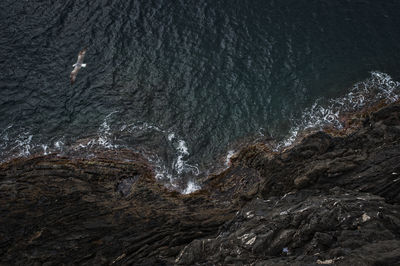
[[78, 65]]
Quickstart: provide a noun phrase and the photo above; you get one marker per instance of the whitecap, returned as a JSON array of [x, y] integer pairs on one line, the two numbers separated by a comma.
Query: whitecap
[[182, 147], [228, 157], [378, 87], [45, 147], [23, 144], [58, 144], [190, 188], [171, 136]]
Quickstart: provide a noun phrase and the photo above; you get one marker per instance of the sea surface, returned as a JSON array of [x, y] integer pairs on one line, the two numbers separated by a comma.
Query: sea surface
[[186, 82]]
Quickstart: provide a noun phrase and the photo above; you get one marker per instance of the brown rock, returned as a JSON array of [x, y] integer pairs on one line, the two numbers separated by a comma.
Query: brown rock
[[327, 199]]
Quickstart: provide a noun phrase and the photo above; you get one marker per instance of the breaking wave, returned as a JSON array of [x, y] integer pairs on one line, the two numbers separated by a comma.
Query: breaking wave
[[111, 137], [379, 87], [169, 154]]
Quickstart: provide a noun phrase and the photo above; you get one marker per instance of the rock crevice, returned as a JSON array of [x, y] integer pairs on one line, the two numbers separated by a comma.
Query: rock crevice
[[327, 200]]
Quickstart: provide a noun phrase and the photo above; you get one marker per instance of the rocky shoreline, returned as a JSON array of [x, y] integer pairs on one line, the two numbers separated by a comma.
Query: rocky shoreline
[[330, 199]]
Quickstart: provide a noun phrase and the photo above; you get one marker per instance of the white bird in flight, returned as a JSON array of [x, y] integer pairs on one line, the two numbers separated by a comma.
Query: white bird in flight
[[78, 65]]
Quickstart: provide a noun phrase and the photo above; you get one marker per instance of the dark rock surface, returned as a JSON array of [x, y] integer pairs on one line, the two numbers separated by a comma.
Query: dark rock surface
[[327, 200]]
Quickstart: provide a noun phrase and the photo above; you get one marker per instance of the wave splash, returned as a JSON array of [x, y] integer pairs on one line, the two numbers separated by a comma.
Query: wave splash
[[107, 139], [379, 87], [176, 171], [111, 136]]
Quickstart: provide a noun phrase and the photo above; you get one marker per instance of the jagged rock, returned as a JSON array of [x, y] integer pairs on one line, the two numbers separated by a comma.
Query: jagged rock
[[75, 211], [329, 200]]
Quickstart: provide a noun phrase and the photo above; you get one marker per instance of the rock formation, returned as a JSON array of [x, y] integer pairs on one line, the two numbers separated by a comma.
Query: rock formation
[[327, 200]]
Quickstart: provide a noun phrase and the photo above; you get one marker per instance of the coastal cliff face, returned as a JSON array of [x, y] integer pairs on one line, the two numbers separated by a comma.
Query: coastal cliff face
[[327, 200]]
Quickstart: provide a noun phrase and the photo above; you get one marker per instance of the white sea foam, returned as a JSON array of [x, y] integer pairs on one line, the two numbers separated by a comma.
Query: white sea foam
[[105, 135], [171, 136], [379, 86], [228, 157], [179, 168], [182, 147], [141, 126], [180, 165], [45, 148], [16, 146], [24, 144], [190, 188], [59, 145], [161, 171]]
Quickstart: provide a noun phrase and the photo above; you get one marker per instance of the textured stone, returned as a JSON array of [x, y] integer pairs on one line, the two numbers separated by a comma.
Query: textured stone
[[327, 200]]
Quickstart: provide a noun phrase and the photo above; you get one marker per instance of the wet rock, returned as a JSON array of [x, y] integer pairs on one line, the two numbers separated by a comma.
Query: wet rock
[[60, 210], [329, 200], [323, 202], [125, 186]]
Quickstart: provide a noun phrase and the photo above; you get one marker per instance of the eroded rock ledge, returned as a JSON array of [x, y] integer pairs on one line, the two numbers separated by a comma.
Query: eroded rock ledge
[[328, 200]]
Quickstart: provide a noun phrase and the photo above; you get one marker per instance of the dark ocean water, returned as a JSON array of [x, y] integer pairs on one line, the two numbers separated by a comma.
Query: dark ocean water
[[185, 80]]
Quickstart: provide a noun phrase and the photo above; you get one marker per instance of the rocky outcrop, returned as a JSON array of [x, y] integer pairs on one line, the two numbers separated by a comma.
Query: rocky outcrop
[[327, 200], [75, 211]]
